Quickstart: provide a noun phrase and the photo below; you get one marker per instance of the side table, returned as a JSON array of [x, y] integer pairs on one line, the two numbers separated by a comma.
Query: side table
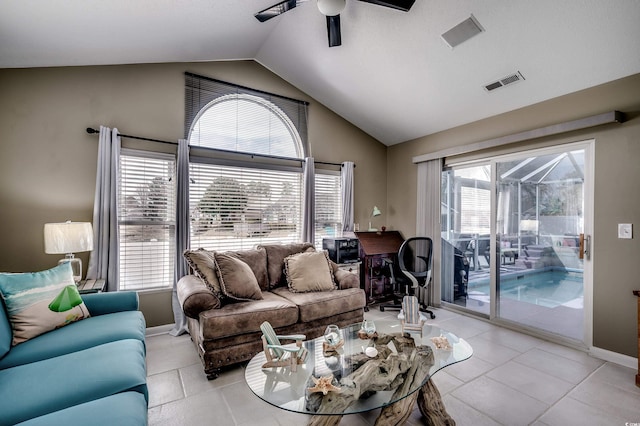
[[92, 286]]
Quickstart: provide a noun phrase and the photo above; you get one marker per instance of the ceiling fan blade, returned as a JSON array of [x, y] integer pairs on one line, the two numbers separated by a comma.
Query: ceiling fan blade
[[403, 5], [277, 9], [333, 30]]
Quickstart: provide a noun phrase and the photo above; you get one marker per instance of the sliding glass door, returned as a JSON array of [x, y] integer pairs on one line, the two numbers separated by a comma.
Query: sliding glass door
[[513, 232], [540, 226], [466, 227]]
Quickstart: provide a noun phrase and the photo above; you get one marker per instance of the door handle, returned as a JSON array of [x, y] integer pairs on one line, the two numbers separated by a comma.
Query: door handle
[[585, 247]]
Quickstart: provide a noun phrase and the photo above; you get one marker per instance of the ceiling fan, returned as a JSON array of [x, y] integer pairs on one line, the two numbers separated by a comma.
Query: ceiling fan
[[331, 9]]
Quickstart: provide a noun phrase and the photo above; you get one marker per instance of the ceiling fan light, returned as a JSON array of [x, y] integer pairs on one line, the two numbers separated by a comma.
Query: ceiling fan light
[[331, 7]]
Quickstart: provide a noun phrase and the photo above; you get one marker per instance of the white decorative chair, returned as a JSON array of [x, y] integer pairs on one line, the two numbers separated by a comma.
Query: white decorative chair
[[279, 355], [410, 316]]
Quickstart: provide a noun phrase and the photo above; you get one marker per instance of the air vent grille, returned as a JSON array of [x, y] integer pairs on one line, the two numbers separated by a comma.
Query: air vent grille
[[462, 32], [510, 79]]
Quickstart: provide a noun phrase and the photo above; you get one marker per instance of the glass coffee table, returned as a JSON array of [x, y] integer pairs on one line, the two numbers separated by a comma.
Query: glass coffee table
[[393, 377]]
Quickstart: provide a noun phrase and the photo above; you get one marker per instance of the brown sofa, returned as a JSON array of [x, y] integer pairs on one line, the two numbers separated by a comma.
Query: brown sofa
[[227, 331]]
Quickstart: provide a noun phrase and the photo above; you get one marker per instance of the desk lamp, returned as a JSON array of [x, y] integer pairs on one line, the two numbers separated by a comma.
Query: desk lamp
[[376, 212]]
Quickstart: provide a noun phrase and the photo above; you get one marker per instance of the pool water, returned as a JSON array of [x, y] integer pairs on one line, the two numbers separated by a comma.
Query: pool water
[[544, 288]]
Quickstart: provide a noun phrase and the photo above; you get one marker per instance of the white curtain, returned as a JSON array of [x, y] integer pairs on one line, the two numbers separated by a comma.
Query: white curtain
[[103, 260], [182, 234], [428, 216], [347, 195], [309, 201]]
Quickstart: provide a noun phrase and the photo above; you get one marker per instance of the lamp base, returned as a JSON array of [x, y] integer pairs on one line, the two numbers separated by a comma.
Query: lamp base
[[371, 229], [76, 266]]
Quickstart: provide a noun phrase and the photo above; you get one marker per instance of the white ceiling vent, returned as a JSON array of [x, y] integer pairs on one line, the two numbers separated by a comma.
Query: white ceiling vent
[[462, 32], [510, 79]]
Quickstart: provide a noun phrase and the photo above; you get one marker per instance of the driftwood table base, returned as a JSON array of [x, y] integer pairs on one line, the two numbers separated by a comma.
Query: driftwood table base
[[401, 372], [393, 379]]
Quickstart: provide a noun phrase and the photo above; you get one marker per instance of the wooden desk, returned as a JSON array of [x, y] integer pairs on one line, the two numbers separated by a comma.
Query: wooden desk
[[376, 248]]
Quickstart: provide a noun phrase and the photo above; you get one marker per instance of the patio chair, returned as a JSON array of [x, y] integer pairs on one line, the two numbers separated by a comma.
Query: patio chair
[[410, 317], [279, 355]]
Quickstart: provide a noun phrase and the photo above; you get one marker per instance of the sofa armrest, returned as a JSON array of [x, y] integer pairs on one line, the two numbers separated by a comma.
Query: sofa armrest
[[344, 279], [108, 303], [195, 296]]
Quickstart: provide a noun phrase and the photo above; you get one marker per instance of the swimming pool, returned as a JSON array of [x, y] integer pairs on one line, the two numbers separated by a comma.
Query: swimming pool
[[548, 288]]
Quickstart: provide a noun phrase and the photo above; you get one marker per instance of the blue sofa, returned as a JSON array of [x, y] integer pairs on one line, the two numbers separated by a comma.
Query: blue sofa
[[89, 372]]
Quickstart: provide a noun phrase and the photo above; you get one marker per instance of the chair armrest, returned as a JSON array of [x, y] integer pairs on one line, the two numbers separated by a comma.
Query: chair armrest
[[285, 348], [293, 337], [110, 302], [344, 279], [195, 296]]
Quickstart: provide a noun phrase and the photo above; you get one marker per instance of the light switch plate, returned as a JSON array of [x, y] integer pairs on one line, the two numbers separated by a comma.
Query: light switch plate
[[625, 231]]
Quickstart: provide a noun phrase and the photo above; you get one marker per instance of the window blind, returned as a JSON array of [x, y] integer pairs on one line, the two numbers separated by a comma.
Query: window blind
[[239, 207], [328, 219], [146, 220], [256, 114]]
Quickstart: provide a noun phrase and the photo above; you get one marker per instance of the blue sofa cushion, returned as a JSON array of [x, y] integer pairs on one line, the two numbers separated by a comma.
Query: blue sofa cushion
[[78, 336], [37, 302], [123, 409], [32, 390]]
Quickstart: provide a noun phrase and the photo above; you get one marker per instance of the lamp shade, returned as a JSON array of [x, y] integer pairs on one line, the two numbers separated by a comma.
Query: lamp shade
[[376, 211], [331, 7], [68, 237]]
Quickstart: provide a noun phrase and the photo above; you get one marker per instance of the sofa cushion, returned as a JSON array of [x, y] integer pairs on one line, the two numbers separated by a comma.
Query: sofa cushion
[[5, 331], [324, 304], [78, 336], [309, 271], [43, 387], [257, 261], [122, 409], [236, 278], [38, 302], [275, 260], [203, 264], [246, 317]]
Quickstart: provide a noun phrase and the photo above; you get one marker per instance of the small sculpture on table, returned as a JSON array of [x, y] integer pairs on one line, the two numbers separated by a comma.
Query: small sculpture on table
[[332, 340], [367, 330], [324, 384], [279, 355]]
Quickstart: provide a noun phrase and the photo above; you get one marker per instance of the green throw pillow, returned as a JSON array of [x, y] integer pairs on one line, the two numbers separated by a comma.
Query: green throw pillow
[[38, 302]]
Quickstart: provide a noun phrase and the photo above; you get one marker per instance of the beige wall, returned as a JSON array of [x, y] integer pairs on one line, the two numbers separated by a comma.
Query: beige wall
[[48, 161], [617, 193]]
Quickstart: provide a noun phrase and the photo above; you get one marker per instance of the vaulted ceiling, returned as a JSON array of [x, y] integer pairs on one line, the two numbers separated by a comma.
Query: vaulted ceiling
[[393, 76]]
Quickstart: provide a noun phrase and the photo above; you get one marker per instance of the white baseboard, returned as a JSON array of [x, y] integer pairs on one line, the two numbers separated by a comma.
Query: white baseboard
[[160, 329], [624, 360]]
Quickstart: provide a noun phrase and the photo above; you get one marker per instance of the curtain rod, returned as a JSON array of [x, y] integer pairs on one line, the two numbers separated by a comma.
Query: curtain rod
[[190, 74], [275, 157]]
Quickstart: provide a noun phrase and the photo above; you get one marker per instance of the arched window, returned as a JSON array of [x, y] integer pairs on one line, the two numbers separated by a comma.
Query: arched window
[[246, 123], [239, 200]]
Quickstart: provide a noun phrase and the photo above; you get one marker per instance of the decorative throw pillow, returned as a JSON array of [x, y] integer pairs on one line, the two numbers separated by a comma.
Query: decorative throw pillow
[[309, 271], [276, 254], [257, 261], [203, 264], [38, 302], [237, 280]]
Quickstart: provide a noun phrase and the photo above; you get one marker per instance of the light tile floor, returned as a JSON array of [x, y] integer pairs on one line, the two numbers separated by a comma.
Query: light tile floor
[[512, 379]]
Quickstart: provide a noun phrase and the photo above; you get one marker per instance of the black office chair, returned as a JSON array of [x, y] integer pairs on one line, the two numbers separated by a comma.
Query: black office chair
[[414, 262]]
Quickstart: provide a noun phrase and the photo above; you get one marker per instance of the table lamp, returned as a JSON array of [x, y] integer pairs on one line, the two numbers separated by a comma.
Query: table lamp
[[376, 212], [68, 238]]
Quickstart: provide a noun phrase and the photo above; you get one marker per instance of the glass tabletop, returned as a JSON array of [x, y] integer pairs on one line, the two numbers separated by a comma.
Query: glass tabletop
[[289, 390]]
